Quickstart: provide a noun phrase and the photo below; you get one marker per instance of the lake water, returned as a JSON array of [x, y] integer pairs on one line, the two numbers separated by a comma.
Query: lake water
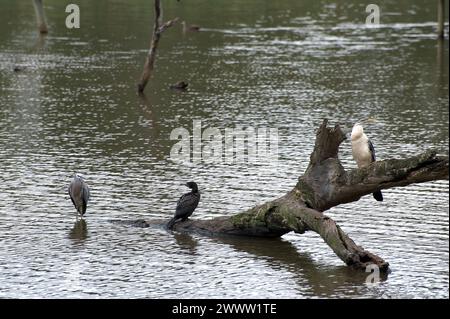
[[261, 64]]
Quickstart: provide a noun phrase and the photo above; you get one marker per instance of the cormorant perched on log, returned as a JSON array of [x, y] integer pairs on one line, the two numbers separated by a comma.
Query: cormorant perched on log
[[79, 194], [363, 152], [186, 205]]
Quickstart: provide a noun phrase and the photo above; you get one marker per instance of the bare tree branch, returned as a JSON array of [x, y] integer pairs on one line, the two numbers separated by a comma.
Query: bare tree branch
[[158, 29], [40, 16]]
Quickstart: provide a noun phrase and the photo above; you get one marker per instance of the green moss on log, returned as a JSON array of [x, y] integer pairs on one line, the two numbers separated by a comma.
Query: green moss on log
[[255, 217]]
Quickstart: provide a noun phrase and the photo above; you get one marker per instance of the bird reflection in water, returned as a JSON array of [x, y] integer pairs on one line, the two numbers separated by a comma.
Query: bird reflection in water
[[186, 242], [79, 231]]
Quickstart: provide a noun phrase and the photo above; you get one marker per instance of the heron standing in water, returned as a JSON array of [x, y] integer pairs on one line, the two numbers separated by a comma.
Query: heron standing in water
[[186, 205], [79, 194], [363, 152]]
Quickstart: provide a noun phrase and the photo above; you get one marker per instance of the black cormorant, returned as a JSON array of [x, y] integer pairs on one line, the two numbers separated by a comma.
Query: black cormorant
[[186, 205]]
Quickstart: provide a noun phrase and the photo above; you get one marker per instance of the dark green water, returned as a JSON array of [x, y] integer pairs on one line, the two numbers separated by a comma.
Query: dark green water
[[273, 64]]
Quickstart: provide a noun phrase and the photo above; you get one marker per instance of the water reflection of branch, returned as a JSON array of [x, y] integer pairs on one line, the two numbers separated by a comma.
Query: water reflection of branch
[[40, 42], [148, 114], [323, 281], [440, 62], [79, 231]]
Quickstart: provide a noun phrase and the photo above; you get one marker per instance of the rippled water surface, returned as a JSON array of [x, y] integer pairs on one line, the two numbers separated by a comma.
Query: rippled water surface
[[273, 64]]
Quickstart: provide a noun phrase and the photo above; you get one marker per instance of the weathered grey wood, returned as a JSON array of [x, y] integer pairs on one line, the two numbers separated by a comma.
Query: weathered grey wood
[[158, 29], [40, 16], [325, 184], [279, 217]]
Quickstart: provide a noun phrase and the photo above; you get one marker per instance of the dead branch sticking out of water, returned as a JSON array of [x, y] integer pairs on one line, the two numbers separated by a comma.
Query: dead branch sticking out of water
[[158, 28]]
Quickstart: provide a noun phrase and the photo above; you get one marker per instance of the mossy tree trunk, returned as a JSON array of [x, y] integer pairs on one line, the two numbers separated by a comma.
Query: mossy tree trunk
[[325, 184]]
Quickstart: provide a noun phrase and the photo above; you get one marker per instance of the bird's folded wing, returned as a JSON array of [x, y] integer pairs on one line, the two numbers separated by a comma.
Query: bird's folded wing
[[372, 150]]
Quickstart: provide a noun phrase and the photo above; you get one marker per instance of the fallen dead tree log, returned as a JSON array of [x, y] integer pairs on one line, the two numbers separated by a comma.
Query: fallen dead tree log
[[325, 184]]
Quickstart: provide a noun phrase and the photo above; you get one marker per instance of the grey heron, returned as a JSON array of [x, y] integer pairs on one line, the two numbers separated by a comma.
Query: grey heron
[[79, 194], [363, 152], [186, 205]]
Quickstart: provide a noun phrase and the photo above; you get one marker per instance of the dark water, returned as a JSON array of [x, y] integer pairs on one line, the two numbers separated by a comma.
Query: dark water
[[273, 64]]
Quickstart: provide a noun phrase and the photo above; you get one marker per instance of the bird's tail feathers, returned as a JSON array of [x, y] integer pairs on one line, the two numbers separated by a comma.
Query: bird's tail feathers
[[83, 209], [171, 223], [378, 196]]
